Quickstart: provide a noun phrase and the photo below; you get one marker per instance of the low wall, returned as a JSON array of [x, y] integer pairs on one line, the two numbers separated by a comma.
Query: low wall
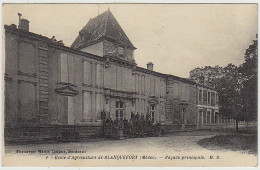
[[170, 128], [224, 126], [23, 135]]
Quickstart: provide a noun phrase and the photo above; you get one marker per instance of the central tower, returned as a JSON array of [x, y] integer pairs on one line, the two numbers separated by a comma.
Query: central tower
[[104, 36]]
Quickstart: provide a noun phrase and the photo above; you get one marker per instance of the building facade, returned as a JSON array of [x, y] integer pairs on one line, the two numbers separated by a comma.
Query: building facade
[[48, 84]]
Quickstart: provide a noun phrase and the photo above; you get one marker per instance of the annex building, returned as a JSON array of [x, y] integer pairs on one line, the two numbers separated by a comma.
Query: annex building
[[49, 85]]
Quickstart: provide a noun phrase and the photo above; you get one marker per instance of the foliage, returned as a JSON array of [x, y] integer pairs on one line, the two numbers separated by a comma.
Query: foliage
[[236, 86], [229, 89], [206, 76], [249, 91]]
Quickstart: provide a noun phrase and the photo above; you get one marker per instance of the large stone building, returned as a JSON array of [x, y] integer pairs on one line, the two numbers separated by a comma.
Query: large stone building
[[48, 85]]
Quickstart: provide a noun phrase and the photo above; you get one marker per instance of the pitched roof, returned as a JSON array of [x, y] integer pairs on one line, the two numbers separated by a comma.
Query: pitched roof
[[104, 25]]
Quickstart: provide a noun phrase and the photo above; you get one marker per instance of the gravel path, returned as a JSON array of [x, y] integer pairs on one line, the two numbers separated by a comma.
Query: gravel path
[[180, 144]]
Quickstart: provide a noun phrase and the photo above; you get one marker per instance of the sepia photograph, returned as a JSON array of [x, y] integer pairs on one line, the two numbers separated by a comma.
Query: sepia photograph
[[129, 85]]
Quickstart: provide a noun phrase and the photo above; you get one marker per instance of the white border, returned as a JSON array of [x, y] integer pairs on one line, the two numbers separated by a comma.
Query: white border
[[127, 1]]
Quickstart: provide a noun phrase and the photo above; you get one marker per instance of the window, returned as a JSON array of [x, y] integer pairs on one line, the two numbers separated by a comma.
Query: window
[[152, 86], [200, 95], [216, 99], [204, 117], [27, 100], [143, 84], [176, 90], [142, 106], [87, 72], [213, 97], [64, 68], [87, 102], [208, 117], [204, 97], [216, 117], [81, 35], [140, 84], [99, 104], [212, 116], [99, 75], [119, 111], [152, 112], [192, 94], [26, 59], [208, 97], [132, 115], [162, 88]]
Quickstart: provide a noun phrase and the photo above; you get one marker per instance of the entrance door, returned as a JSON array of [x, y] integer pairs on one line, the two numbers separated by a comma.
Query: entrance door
[[120, 111]]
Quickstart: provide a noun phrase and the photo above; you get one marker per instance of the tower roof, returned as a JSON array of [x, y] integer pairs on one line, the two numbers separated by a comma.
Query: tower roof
[[103, 26]]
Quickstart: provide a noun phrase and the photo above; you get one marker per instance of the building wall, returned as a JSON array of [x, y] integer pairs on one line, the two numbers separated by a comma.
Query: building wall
[[180, 95], [149, 87], [35, 68], [94, 82]]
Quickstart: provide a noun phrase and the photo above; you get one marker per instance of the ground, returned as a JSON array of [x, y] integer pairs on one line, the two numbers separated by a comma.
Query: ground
[[242, 141], [182, 144]]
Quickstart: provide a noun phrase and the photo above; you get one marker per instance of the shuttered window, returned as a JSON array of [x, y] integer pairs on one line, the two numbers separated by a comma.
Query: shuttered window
[[87, 102], [64, 68], [87, 72]]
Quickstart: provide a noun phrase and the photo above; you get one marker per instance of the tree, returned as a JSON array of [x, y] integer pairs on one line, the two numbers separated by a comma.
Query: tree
[[249, 91], [236, 86], [229, 91], [207, 76]]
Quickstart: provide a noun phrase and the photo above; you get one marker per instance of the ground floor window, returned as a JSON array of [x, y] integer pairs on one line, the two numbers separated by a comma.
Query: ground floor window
[[200, 117], [208, 117], [119, 111], [204, 117], [212, 117], [216, 117], [152, 113]]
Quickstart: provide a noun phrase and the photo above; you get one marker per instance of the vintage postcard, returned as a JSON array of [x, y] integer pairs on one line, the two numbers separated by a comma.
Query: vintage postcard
[[155, 85]]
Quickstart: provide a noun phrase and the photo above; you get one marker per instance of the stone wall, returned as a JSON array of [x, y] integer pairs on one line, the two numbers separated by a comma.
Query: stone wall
[[22, 81]]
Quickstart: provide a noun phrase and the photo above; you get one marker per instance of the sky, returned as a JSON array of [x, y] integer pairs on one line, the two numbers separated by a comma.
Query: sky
[[176, 38]]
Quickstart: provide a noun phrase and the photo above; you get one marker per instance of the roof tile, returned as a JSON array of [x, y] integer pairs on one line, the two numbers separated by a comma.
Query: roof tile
[[104, 25]]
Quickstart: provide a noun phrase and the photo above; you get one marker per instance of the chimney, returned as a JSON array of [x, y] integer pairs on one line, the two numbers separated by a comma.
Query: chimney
[[150, 66], [23, 23]]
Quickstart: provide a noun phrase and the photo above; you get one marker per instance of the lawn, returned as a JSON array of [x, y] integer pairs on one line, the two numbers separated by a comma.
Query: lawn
[[238, 141]]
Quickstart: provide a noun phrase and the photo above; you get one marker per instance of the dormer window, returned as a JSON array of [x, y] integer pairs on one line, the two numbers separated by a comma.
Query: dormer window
[[81, 35]]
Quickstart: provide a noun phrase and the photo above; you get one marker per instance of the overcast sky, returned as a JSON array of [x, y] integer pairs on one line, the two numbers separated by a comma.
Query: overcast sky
[[175, 37]]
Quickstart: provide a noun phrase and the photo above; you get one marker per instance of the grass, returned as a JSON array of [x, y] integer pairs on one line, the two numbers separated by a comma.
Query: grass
[[240, 141]]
